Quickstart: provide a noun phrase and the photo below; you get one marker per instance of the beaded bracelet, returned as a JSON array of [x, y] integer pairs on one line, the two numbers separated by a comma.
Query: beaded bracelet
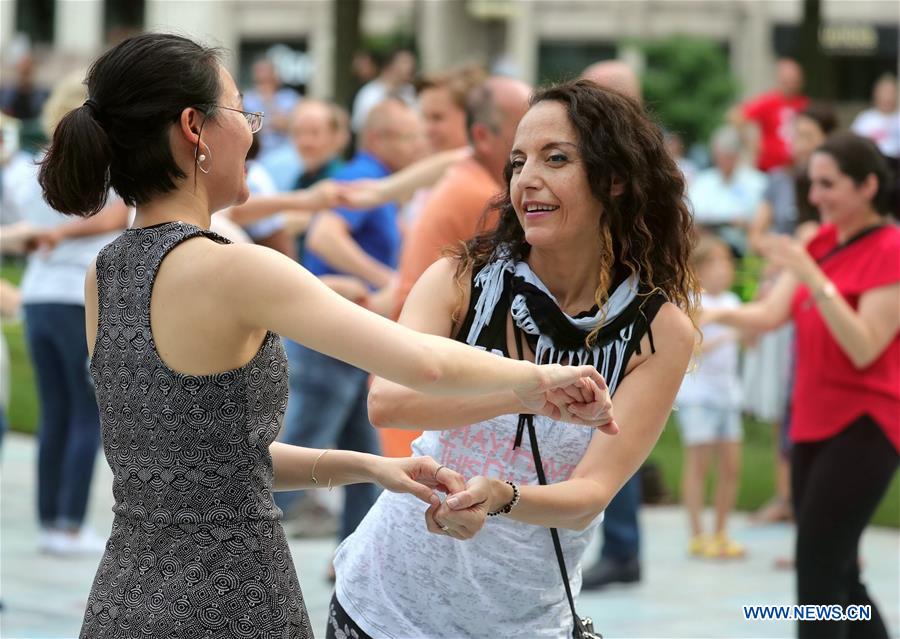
[[508, 507]]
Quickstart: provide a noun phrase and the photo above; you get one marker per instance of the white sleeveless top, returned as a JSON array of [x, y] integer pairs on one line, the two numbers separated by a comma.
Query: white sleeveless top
[[395, 579]]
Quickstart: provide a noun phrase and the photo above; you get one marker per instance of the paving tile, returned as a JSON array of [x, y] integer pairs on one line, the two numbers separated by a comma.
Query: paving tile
[[679, 597]]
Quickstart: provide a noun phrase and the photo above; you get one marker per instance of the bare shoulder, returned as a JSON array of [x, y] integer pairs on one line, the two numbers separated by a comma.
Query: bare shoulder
[[440, 291], [232, 263], [674, 332], [673, 324]]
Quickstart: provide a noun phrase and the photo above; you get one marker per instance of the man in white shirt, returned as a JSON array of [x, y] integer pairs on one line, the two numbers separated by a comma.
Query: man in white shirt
[[725, 196], [395, 80], [881, 124]]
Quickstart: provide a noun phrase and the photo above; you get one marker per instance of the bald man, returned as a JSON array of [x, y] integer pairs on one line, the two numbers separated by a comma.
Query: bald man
[[620, 554], [328, 397], [615, 74], [315, 132], [453, 212]]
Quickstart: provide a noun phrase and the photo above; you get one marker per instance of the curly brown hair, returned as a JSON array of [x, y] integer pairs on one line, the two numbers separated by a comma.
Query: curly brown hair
[[647, 229]]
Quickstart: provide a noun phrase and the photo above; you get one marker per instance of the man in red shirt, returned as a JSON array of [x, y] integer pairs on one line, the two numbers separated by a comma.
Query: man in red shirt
[[773, 112]]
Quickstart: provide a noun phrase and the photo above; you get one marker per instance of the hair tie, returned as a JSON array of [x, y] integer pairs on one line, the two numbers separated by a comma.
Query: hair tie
[[93, 108]]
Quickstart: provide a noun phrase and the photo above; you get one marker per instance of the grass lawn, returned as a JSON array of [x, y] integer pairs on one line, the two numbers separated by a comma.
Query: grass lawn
[[757, 471], [757, 475]]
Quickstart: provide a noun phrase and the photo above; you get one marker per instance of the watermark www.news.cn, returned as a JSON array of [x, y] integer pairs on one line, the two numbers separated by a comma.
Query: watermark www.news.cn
[[832, 612]]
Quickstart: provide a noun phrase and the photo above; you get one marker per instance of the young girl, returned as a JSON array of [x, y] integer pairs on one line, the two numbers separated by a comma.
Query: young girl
[[709, 407]]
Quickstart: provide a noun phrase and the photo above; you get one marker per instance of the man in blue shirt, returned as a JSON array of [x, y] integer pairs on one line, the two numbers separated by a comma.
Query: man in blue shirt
[[327, 405]]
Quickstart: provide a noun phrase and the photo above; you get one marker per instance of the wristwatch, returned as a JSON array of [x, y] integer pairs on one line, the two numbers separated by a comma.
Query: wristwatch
[[826, 292]]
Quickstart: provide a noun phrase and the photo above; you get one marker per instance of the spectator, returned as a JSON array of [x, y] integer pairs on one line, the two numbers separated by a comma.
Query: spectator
[[456, 205], [709, 408], [276, 101], [328, 397], [23, 100], [317, 136], [615, 74], [394, 80], [726, 195], [772, 113], [768, 364], [675, 146], [785, 205], [620, 553], [364, 68], [881, 123], [442, 102], [53, 302]]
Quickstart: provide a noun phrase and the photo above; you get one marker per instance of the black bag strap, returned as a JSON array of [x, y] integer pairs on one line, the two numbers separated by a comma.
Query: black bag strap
[[528, 421]]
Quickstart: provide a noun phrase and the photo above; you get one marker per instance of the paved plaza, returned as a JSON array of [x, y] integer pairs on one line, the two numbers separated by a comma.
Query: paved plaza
[[44, 597]]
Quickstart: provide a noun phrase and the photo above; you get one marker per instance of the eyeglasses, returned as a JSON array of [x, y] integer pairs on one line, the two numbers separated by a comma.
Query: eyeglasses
[[254, 118]]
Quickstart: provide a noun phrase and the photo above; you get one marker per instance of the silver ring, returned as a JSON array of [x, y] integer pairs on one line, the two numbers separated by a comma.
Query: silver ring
[[437, 471]]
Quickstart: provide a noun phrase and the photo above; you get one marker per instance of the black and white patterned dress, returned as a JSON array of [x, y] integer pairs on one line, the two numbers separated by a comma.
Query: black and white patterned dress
[[196, 548]]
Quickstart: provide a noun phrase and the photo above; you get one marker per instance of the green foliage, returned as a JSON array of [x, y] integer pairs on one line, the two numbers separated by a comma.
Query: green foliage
[[22, 412], [688, 84], [385, 43]]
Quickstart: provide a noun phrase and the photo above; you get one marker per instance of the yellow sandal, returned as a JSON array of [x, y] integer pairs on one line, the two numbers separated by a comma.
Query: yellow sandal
[[721, 546], [698, 544]]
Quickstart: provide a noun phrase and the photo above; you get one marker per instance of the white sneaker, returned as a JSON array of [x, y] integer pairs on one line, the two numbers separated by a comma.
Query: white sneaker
[[89, 543], [48, 540], [86, 542]]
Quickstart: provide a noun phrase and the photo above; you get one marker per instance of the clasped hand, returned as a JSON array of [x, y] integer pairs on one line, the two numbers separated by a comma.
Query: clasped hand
[[462, 514]]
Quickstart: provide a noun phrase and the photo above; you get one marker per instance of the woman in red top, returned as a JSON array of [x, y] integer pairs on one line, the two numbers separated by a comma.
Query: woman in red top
[[843, 292]]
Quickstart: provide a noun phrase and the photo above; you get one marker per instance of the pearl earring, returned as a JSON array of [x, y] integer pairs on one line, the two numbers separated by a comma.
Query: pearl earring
[[203, 157]]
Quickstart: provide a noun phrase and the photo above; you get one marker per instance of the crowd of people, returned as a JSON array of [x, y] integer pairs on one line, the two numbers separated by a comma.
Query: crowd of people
[[457, 209]]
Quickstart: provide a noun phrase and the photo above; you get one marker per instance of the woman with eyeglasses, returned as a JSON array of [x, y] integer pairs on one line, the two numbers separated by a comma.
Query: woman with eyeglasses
[[189, 370]]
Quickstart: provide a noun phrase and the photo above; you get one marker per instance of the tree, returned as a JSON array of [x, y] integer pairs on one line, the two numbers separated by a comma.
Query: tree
[[688, 84], [346, 43], [817, 66]]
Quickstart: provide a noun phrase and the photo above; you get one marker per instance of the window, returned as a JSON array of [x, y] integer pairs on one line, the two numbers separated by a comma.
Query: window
[[36, 19]]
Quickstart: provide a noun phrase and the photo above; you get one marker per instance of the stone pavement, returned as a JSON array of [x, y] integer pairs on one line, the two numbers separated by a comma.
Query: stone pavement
[[679, 597]]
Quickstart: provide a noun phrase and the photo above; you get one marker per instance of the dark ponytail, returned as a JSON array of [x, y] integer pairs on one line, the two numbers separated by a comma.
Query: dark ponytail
[[74, 173], [120, 137]]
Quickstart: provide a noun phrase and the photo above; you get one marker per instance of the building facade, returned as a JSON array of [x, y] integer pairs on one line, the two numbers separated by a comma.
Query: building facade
[[534, 39]]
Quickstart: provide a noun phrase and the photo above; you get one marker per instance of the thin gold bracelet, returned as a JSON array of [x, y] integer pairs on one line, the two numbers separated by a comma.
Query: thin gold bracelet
[[312, 473]]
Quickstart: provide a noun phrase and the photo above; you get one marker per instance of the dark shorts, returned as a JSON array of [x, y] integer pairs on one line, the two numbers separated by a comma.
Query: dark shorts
[[340, 624]]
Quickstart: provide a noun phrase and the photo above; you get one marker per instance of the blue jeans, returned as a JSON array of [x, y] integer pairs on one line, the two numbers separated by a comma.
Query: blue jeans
[[327, 407], [621, 534], [69, 428]]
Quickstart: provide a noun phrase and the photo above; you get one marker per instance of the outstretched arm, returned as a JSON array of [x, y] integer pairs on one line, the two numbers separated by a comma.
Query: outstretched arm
[[269, 291], [297, 468], [321, 196], [430, 308], [399, 186], [643, 402], [330, 238]]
